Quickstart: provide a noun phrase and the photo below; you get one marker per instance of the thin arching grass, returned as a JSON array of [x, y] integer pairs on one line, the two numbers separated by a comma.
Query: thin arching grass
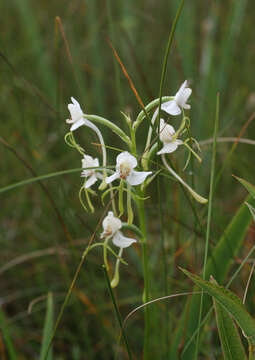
[[209, 217], [159, 181], [138, 31]]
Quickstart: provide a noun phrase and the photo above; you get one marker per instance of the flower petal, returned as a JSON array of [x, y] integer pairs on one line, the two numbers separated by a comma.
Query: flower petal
[[122, 241], [111, 178], [75, 111], [137, 177], [169, 147], [186, 94], [90, 181], [183, 86], [111, 224], [77, 124], [171, 108], [182, 95], [88, 162], [186, 106], [166, 131], [126, 157], [75, 102]]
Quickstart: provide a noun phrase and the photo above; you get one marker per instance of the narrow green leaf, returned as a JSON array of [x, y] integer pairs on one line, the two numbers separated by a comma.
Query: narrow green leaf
[[247, 185], [230, 303], [48, 328], [231, 343], [218, 265], [252, 210], [7, 339]]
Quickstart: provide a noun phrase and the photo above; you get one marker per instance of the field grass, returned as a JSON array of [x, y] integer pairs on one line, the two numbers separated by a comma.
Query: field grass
[[52, 50]]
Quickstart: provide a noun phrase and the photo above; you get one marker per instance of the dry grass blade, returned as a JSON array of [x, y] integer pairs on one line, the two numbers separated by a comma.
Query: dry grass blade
[[156, 300], [60, 26], [228, 139], [248, 282], [126, 75], [244, 128]]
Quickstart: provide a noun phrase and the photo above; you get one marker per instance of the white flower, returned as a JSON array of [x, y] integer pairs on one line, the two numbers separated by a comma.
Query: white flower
[[125, 164], [91, 174], [111, 226], [78, 119], [76, 115], [170, 144], [173, 107]]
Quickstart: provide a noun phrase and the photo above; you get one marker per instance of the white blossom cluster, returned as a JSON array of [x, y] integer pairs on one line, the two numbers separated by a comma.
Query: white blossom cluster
[[127, 161]]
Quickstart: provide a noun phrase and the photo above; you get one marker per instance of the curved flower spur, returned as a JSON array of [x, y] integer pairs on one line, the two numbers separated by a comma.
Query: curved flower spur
[[170, 138], [111, 226], [125, 172]]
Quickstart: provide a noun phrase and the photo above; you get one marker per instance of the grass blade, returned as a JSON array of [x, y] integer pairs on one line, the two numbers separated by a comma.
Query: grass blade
[[229, 301], [117, 312], [249, 187], [48, 328], [209, 217], [231, 343], [7, 338], [218, 265]]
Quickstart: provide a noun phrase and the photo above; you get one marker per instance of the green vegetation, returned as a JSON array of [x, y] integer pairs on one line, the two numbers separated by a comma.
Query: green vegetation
[[112, 56]]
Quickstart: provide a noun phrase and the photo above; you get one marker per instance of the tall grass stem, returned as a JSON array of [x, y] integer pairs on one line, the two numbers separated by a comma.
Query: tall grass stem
[[209, 216], [117, 312]]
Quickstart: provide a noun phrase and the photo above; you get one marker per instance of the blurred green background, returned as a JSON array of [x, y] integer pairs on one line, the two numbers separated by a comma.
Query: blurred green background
[[43, 62]]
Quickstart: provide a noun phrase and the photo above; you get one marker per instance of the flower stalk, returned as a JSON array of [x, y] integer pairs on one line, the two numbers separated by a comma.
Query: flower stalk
[[141, 214]]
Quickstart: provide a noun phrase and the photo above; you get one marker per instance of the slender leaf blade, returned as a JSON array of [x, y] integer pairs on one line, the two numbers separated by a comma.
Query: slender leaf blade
[[249, 187], [48, 329], [229, 301], [6, 336], [252, 210], [231, 343], [218, 265]]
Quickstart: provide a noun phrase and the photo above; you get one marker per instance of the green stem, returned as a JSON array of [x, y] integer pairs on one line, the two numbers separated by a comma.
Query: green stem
[[251, 350], [116, 277], [209, 216], [67, 297], [133, 139], [141, 214], [105, 253], [117, 313], [121, 207], [142, 115], [165, 330], [110, 125], [129, 206]]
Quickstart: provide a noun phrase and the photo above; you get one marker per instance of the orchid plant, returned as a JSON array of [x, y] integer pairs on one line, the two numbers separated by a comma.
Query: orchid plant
[[127, 179]]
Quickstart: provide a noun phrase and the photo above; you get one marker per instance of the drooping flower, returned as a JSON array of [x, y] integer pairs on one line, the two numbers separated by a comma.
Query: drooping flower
[[125, 164], [166, 135], [91, 174], [77, 120], [76, 112], [175, 106], [112, 226]]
